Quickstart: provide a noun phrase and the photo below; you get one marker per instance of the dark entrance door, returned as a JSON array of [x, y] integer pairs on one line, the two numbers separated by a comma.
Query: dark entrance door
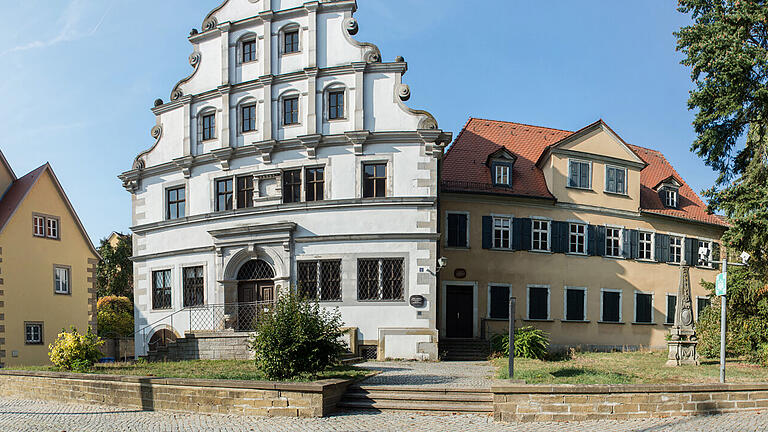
[[459, 315], [246, 298]]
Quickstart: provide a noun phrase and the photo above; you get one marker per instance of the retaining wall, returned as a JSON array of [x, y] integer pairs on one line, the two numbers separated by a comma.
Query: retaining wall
[[315, 399], [513, 403], [205, 346]]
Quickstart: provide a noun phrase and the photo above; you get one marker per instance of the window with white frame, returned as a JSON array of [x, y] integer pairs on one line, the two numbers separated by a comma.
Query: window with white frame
[[613, 242], [52, 225], [575, 304], [33, 333], [579, 174], [208, 126], [705, 259], [502, 233], [502, 175], [38, 223], [675, 249], [161, 289], [577, 238], [61, 280], [540, 235], [643, 308], [610, 306], [498, 297], [645, 245], [291, 40], [616, 180], [538, 302], [671, 308], [670, 198]]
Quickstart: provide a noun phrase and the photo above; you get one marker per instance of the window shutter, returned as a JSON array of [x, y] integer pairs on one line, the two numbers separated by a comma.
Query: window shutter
[[592, 240], [715, 253], [517, 233], [462, 231], [662, 248], [559, 237], [600, 239], [634, 244], [692, 251], [626, 244], [525, 233], [487, 232]]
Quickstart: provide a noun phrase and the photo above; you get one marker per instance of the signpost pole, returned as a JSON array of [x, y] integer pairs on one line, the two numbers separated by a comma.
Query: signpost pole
[[512, 304], [722, 322]]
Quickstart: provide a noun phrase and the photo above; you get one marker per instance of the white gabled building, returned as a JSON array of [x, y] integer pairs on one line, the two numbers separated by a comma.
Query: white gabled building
[[288, 159]]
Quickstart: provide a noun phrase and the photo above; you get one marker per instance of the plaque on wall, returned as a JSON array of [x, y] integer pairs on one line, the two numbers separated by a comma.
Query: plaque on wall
[[460, 273], [417, 301]]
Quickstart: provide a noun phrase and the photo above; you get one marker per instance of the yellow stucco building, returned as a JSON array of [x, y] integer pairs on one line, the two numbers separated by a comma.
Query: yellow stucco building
[[47, 265], [587, 232]]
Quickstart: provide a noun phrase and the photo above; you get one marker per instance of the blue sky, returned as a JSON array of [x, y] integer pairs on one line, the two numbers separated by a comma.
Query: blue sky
[[78, 77]]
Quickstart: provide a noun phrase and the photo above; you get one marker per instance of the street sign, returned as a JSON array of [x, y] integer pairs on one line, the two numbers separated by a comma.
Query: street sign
[[721, 284]]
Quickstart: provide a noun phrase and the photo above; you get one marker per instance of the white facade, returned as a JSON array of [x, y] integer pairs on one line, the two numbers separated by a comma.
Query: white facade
[[240, 60]]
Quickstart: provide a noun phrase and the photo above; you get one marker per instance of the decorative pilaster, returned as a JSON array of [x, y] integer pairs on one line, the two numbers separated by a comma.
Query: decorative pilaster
[[225, 112], [312, 42], [187, 101], [683, 340], [359, 122], [224, 38], [266, 128], [311, 100], [266, 61]]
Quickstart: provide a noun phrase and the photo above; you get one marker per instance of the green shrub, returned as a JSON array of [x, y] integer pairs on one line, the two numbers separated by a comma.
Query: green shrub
[[74, 351], [747, 323], [530, 342], [297, 337], [114, 316]]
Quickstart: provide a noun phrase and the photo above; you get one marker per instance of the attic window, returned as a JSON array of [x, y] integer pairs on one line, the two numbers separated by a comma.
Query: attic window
[[670, 198], [502, 175]]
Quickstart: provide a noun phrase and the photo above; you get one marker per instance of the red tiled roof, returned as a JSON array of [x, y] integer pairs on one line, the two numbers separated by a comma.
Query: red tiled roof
[[464, 168], [15, 194]]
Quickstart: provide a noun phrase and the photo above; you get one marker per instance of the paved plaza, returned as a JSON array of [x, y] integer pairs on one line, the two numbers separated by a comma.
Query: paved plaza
[[39, 416], [427, 374]]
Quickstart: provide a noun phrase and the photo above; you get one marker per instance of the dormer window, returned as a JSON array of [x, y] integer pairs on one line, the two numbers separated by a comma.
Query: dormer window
[[502, 175], [579, 174], [670, 198], [500, 163]]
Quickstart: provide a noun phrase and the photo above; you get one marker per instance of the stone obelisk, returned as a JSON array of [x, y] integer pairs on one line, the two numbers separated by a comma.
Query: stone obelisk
[[682, 342]]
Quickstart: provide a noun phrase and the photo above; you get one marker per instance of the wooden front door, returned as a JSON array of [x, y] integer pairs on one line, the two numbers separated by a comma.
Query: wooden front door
[[246, 296], [459, 311]]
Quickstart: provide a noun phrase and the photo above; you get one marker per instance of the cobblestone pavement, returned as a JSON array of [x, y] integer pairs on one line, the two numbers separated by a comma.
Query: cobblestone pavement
[[40, 416], [426, 374]]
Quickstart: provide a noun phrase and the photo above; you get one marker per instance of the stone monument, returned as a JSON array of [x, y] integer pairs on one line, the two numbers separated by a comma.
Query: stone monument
[[682, 342]]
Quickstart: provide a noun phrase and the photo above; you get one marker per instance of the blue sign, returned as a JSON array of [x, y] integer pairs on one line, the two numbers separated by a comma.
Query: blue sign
[[721, 284]]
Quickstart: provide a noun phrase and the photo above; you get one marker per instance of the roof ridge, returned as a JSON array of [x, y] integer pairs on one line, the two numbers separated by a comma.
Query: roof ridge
[[518, 123]]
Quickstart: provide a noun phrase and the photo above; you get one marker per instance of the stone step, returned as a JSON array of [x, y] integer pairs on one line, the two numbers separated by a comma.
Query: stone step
[[409, 396], [421, 406]]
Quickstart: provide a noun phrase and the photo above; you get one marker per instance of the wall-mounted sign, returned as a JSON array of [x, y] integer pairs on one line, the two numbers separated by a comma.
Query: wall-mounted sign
[[460, 273], [417, 301]]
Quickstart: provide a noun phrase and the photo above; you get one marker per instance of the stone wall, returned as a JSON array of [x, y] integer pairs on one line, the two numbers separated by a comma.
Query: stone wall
[[513, 403], [315, 399], [205, 346]]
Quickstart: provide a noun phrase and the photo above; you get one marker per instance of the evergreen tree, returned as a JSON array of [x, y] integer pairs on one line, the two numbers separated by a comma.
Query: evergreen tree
[[726, 47]]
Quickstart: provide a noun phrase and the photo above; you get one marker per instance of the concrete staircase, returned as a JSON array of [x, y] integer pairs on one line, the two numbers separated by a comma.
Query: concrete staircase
[[440, 400], [464, 349]]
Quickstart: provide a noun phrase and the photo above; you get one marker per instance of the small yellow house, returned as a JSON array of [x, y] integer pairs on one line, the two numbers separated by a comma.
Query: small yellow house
[[47, 265]]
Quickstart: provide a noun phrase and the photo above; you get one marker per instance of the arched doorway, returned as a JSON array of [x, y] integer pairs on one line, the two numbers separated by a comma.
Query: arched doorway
[[255, 284], [160, 339]]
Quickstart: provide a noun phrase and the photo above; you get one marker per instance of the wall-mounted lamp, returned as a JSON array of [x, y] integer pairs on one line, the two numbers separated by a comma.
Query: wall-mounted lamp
[[441, 263]]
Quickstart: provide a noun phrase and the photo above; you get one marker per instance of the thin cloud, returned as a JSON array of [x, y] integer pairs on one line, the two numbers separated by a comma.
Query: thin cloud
[[70, 20]]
